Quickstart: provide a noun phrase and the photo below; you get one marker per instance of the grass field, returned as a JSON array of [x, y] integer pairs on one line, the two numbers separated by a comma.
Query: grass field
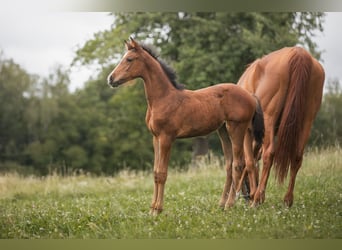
[[117, 207]]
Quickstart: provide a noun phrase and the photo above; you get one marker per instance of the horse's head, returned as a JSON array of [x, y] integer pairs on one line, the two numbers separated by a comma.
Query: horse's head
[[130, 67]]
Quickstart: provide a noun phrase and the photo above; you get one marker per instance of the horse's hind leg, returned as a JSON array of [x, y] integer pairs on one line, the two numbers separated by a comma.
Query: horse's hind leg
[[304, 135], [312, 105], [288, 199], [267, 158], [227, 151]]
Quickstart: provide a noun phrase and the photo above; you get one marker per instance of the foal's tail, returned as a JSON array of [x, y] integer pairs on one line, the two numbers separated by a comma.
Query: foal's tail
[[258, 125]]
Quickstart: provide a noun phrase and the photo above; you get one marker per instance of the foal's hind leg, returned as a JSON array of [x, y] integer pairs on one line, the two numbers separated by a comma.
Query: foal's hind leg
[[237, 133], [251, 169], [227, 151]]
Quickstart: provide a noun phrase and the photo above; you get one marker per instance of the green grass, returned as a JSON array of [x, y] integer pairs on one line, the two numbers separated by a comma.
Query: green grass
[[118, 207]]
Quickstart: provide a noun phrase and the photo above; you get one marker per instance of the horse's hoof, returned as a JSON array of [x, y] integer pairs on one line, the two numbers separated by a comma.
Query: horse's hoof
[[288, 203], [254, 204]]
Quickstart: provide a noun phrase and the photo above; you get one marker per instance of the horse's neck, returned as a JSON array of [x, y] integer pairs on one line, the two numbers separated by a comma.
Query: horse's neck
[[157, 85]]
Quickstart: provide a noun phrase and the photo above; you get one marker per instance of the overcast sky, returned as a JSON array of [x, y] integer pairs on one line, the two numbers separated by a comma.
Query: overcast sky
[[39, 40]]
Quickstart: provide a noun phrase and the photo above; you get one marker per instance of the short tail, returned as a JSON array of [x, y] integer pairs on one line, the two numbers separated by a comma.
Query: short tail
[[258, 126], [291, 121]]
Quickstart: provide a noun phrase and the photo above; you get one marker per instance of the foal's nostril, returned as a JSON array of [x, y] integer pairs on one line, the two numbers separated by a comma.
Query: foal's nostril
[[110, 79]]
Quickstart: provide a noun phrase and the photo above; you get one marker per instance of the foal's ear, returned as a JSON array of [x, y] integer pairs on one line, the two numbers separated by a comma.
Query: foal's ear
[[131, 44], [134, 44], [128, 45]]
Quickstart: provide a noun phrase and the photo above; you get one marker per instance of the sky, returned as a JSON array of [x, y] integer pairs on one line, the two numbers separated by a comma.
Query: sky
[[40, 40]]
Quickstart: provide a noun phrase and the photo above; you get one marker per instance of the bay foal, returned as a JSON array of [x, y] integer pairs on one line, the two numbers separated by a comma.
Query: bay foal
[[174, 112]]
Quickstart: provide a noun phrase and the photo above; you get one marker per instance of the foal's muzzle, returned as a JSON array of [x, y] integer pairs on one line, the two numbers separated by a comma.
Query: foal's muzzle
[[112, 83]]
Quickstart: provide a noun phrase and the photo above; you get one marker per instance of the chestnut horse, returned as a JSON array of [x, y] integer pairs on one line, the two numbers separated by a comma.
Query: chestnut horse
[[174, 112], [289, 84]]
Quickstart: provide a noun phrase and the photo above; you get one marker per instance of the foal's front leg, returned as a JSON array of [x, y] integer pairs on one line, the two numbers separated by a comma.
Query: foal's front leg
[[155, 164], [162, 148]]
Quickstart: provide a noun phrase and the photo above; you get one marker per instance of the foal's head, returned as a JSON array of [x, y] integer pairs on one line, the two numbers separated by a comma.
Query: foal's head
[[130, 66], [133, 64]]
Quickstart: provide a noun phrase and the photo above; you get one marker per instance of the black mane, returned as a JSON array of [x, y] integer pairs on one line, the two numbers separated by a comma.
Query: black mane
[[171, 74]]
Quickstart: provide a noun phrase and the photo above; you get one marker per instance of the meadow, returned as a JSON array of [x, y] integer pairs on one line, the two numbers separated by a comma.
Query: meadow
[[88, 207]]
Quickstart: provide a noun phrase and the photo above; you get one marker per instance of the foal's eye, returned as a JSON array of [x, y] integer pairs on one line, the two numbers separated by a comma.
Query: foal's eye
[[129, 59]]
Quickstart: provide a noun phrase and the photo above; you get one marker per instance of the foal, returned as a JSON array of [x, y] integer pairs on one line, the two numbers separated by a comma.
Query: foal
[[174, 112]]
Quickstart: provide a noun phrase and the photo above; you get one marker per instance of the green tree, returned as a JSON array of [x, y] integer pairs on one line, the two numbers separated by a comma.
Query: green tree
[[14, 86], [50, 122], [95, 125], [326, 129], [205, 48]]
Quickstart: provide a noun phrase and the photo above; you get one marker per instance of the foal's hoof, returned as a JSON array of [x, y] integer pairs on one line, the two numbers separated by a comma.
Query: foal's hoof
[[155, 212], [228, 205], [222, 203]]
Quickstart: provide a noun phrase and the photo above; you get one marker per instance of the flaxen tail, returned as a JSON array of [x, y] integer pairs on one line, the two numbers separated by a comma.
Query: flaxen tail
[[291, 120]]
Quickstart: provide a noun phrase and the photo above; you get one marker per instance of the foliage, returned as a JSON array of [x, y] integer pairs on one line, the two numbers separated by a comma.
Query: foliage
[[326, 130], [14, 85], [117, 207]]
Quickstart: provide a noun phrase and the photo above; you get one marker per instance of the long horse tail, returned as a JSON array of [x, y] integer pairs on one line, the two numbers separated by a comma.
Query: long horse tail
[[291, 120], [258, 125]]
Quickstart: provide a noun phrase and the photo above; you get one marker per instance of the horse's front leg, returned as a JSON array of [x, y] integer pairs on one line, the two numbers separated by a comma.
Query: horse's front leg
[[162, 147]]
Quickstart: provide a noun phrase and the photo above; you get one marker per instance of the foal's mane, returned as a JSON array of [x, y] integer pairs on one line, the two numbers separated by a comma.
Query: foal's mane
[[170, 72]]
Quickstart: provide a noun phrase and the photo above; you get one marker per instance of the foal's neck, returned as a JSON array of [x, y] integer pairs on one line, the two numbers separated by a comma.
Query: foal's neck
[[157, 84]]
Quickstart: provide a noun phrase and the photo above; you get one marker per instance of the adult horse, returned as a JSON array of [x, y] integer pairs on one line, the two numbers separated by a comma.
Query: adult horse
[[289, 85], [174, 112]]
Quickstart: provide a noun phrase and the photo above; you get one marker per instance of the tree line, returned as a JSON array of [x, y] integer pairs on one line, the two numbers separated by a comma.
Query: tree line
[[45, 128]]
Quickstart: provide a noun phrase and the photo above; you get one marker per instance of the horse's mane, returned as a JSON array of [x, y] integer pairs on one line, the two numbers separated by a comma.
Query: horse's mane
[[170, 72]]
